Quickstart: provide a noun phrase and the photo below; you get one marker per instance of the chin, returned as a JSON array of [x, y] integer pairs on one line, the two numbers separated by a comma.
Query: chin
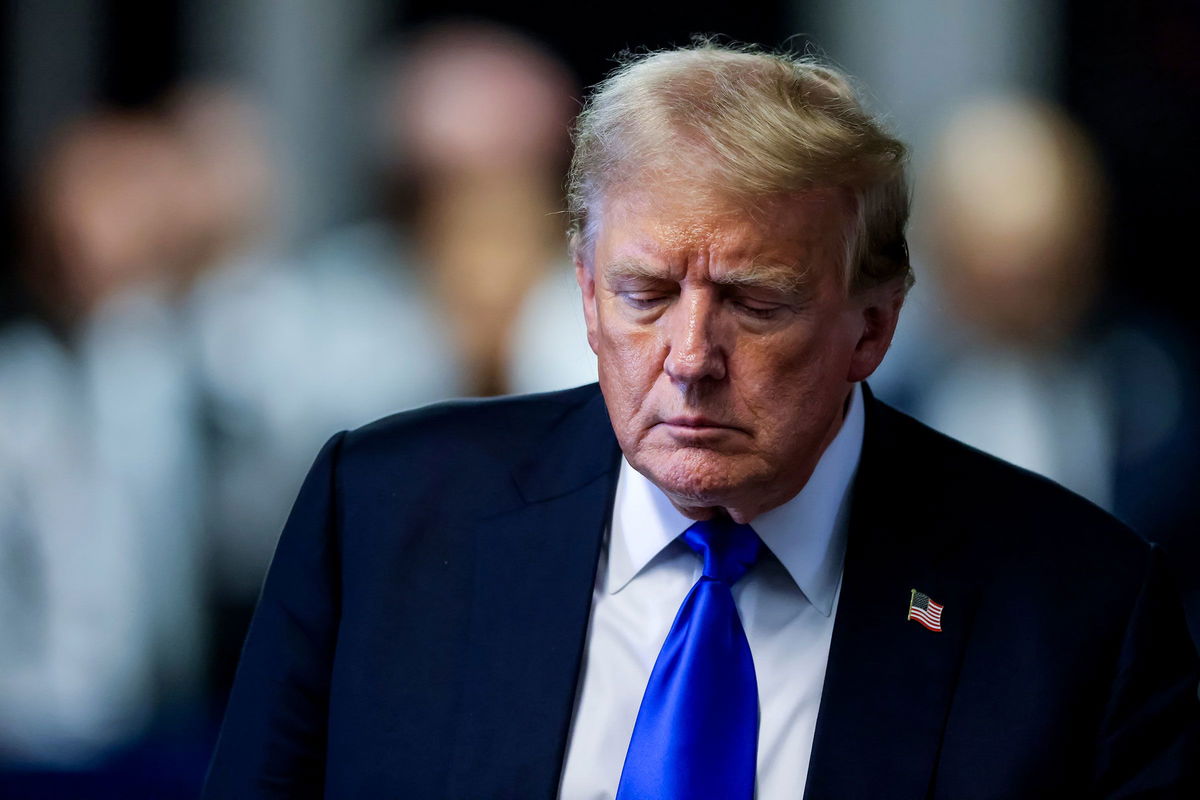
[[696, 476]]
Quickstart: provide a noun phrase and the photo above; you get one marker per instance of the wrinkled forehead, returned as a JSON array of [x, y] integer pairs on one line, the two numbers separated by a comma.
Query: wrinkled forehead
[[666, 217]]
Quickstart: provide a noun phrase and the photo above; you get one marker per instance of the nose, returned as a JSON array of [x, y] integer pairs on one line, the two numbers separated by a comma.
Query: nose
[[693, 352]]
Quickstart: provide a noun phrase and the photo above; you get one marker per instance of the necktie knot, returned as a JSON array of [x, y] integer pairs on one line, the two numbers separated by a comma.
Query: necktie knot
[[728, 548]]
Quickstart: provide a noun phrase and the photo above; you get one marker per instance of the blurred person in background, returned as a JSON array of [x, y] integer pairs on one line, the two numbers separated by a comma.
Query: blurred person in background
[[475, 121], [1022, 351], [283, 349], [100, 597], [242, 313]]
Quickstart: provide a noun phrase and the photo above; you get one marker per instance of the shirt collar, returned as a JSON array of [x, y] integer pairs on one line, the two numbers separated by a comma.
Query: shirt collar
[[807, 533]]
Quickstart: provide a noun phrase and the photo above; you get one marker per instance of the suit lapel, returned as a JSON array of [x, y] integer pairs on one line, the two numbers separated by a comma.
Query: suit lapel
[[535, 570], [889, 680]]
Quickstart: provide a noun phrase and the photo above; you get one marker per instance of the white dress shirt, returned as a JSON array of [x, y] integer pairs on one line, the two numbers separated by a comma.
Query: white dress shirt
[[786, 603]]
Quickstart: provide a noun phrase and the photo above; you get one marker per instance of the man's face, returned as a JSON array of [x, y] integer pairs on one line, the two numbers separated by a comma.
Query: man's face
[[726, 342]]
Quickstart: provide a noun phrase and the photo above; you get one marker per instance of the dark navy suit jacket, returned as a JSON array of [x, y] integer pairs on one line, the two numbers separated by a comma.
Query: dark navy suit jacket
[[422, 626]]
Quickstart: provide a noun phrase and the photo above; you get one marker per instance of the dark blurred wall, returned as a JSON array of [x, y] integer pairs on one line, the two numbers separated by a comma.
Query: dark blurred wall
[[1132, 76], [587, 36], [140, 50], [62, 58]]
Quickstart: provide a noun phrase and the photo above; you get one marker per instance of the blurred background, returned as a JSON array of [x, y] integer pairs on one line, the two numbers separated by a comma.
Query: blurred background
[[237, 226]]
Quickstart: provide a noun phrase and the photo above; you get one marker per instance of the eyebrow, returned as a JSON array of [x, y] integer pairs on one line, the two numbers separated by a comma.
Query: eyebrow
[[633, 269], [789, 280]]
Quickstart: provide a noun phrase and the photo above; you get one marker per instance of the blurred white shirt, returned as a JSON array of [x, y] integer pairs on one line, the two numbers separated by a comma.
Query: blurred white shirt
[[100, 596], [291, 351], [1046, 412], [549, 348]]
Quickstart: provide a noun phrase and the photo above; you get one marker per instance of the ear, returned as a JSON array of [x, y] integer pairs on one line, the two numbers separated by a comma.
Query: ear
[[587, 290], [880, 311]]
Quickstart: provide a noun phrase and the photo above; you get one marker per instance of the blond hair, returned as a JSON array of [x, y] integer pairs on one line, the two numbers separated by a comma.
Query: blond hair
[[755, 124]]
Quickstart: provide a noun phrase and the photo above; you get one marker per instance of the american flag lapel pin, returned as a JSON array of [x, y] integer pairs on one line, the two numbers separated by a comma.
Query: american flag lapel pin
[[925, 611]]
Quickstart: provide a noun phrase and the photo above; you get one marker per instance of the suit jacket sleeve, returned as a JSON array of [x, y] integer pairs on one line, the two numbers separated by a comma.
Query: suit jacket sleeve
[[1150, 738], [272, 743]]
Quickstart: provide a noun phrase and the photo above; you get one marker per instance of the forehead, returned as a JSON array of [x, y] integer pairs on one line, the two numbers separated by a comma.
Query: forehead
[[677, 226]]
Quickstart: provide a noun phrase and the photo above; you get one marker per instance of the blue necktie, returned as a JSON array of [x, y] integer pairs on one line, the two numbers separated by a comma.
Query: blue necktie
[[697, 729]]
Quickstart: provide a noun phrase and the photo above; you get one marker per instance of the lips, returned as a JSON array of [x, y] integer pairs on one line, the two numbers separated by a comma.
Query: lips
[[694, 427], [694, 422]]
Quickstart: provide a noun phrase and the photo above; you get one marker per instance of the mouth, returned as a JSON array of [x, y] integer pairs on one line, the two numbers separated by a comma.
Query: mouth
[[695, 427], [687, 421]]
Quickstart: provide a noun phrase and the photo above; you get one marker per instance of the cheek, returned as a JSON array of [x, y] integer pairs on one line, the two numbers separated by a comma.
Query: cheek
[[629, 348], [789, 382], [629, 362]]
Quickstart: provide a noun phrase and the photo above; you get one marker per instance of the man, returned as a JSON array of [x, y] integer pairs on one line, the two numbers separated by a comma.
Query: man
[[729, 572]]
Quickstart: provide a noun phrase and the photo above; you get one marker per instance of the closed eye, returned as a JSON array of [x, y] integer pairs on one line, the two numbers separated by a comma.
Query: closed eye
[[756, 309], [643, 301]]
